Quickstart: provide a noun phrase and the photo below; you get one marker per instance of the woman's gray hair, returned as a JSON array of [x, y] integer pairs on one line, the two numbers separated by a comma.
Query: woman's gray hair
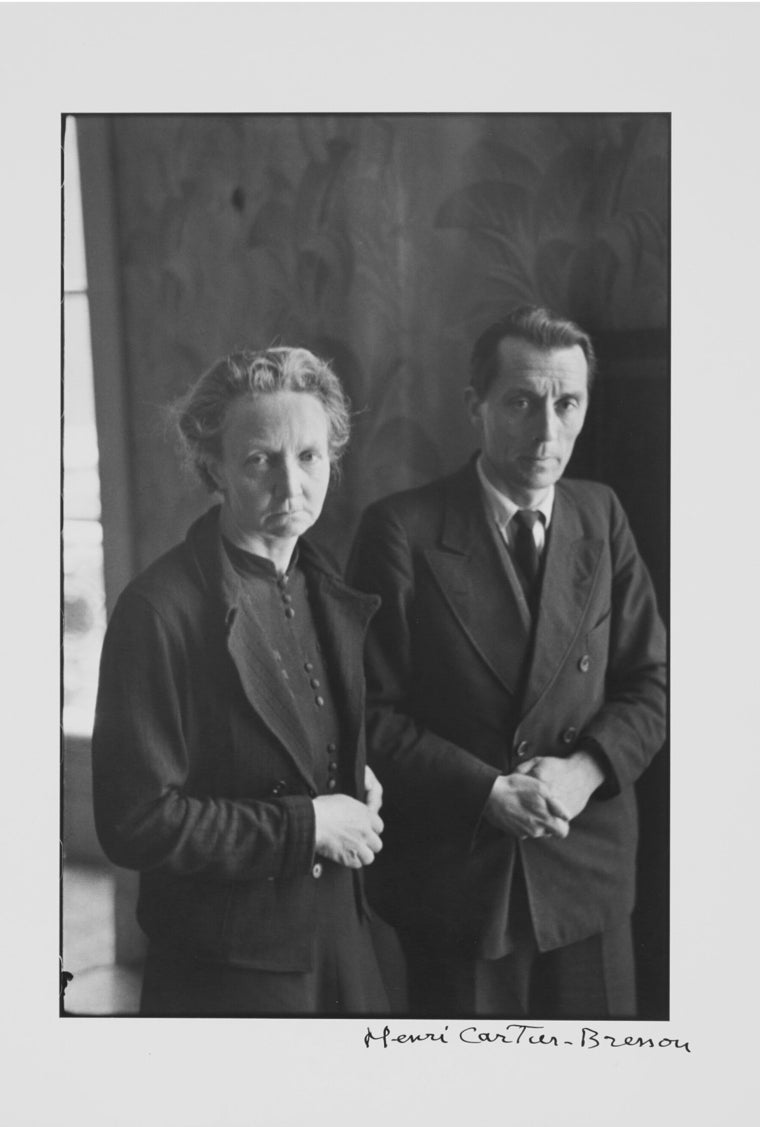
[[200, 415]]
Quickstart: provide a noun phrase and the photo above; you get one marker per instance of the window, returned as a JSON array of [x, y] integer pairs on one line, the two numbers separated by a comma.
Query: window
[[83, 585]]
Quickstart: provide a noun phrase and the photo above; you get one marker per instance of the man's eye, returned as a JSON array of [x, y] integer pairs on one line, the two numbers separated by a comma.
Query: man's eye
[[309, 456], [566, 405], [256, 461], [520, 404]]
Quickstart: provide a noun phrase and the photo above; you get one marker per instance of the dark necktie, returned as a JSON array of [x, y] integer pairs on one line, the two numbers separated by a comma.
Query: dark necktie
[[527, 555]]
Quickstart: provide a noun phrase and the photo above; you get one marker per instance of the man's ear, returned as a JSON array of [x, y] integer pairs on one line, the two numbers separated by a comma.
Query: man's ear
[[473, 405]]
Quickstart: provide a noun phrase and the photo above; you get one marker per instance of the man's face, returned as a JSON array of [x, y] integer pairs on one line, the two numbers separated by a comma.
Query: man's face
[[530, 417]]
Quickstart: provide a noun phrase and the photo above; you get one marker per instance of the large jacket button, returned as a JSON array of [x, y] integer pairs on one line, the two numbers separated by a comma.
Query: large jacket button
[[316, 871], [278, 788], [569, 734], [584, 664], [522, 748]]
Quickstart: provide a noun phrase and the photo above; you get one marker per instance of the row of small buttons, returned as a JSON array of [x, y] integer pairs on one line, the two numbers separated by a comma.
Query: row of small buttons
[[286, 598], [332, 783], [319, 700]]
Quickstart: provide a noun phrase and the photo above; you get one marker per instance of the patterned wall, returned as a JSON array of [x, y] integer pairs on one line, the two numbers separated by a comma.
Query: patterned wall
[[384, 242]]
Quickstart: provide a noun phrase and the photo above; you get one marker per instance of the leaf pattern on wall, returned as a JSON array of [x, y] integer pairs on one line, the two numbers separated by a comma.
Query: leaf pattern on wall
[[568, 234], [385, 243], [302, 227]]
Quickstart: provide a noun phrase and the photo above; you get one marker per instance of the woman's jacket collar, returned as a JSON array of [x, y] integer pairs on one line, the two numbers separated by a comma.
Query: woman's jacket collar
[[218, 577]]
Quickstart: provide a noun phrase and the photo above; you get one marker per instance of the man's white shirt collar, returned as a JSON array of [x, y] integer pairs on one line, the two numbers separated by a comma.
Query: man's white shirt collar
[[503, 508]]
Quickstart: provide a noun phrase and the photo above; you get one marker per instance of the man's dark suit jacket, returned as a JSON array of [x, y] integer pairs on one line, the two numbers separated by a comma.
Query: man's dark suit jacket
[[202, 772], [458, 693]]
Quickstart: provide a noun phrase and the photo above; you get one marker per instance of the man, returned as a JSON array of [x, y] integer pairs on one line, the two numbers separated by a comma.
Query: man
[[516, 691]]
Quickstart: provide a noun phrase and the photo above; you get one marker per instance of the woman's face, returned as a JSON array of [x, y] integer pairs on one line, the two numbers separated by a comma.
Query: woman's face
[[274, 469]]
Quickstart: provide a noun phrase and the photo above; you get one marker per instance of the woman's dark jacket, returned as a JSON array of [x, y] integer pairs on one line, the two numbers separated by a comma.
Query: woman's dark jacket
[[202, 771]]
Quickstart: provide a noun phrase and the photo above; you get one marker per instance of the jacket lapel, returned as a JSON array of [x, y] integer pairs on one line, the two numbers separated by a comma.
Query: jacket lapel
[[262, 684], [487, 603], [342, 613], [572, 560]]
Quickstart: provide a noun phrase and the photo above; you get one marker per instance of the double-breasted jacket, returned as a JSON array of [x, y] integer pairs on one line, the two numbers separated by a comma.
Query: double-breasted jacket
[[464, 685]]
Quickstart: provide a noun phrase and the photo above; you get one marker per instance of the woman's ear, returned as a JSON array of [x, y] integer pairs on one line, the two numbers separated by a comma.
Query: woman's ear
[[214, 475]]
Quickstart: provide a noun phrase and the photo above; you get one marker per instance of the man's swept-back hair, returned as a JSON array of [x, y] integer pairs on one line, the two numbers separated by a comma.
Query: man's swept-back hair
[[201, 414], [535, 325]]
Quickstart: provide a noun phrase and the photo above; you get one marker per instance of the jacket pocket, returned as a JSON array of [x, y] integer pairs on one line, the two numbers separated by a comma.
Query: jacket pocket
[[268, 925]]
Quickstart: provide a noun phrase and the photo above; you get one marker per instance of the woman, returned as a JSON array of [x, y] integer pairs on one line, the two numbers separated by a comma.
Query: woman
[[228, 751]]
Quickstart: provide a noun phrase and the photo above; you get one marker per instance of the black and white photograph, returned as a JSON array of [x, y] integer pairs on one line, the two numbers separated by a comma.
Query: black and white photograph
[[376, 344], [380, 561]]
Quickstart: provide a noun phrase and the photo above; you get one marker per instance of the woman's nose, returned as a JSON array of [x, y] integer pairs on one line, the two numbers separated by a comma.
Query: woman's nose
[[289, 478]]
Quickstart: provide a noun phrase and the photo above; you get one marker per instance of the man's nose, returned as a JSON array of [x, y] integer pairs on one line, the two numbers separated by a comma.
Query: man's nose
[[546, 423]]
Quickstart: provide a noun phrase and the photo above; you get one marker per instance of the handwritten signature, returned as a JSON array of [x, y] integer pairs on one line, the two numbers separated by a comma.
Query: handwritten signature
[[518, 1033]]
